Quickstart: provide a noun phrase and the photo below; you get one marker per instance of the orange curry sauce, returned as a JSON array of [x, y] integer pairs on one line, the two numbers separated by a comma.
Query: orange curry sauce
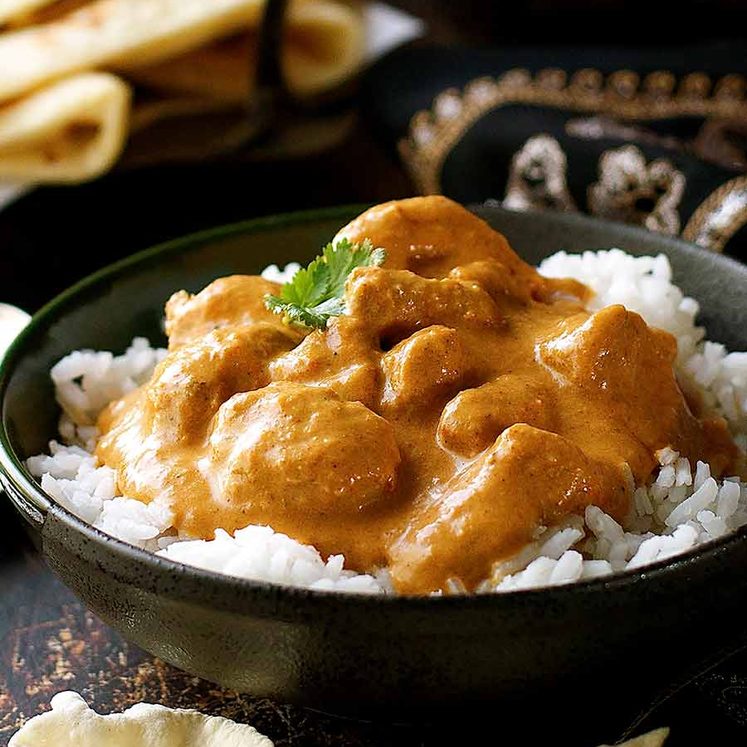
[[462, 402]]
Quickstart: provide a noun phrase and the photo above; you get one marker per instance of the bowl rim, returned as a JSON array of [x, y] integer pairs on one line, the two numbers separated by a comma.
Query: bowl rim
[[14, 469]]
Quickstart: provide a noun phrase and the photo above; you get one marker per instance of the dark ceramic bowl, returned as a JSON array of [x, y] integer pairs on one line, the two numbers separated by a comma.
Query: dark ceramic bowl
[[596, 650]]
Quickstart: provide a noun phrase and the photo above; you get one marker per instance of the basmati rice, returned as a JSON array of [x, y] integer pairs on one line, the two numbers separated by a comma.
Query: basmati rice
[[682, 507]]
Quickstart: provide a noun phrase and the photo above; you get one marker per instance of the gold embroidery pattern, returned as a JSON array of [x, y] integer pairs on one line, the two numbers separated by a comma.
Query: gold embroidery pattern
[[537, 177], [719, 216], [633, 191], [433, 133]]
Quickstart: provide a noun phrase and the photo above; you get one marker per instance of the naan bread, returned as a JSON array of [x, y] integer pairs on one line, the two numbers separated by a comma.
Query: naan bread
[[130, 34], [115, 32], [71, 723], [61, 123], [71, 131], [49, 10], [10, 9], [324, 46]]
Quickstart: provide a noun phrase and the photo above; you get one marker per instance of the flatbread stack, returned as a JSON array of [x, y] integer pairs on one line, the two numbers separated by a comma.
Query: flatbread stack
[[70, 69]]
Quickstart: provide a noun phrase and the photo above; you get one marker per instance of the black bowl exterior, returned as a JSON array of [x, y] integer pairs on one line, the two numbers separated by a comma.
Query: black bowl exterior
[[600, 644]]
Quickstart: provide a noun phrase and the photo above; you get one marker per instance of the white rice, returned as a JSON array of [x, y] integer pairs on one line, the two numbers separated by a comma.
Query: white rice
[[271, 556], [681, 508]]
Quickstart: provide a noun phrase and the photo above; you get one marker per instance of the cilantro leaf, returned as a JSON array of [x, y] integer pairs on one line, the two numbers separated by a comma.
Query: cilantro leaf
[[315, 294]]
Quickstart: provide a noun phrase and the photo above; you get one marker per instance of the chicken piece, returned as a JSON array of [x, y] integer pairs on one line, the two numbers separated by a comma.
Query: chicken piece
[[610, 351], [288, 451], [616, 359], [345, 358], [615, 356], [430, 236], [472, 421], [487, 512], [153, 437], [194, 380], [396, 303], [425, 367], [236, 300], [498, 280], [507, 282]]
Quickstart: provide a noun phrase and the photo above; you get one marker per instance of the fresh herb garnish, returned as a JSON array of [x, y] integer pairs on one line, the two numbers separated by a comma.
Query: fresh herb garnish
[[315, 294]]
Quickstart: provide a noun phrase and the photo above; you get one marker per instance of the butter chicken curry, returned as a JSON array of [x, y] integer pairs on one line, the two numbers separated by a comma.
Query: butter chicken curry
[[460, 403]]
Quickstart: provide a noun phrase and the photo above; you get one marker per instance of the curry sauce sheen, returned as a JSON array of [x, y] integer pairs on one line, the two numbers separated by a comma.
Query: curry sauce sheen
[[462, 403]]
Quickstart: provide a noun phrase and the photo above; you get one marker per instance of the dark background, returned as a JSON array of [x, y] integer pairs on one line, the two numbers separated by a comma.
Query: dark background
[[54, 236]]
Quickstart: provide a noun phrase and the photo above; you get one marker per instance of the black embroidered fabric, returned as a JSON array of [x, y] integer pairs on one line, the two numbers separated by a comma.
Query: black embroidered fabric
[[657, 138]]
